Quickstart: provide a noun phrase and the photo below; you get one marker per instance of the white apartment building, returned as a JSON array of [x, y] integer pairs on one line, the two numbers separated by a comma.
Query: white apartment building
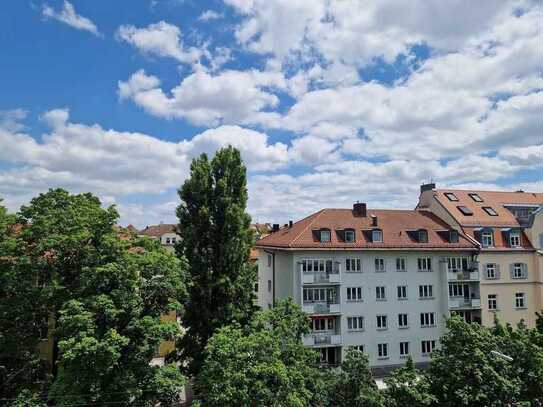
[[380, 280]]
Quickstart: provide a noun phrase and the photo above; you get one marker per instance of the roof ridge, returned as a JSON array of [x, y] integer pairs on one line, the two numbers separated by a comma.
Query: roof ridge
[[487, 190], [317, 215]]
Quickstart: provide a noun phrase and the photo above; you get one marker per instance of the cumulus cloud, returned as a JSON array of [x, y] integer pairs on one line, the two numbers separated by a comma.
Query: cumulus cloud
[[67, 15], [209, 15]]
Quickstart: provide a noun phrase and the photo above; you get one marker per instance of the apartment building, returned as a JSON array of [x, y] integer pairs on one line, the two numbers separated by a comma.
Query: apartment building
[[166, 233], [379, 280], [508, 229]]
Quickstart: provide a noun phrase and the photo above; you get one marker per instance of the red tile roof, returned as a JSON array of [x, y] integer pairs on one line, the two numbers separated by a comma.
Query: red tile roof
[[394, 224], [158, 230], [497, 200]]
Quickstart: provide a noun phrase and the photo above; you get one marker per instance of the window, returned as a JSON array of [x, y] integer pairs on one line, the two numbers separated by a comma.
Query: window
[[377, 236], [426, 291], [425, 264], [323, 324], [423, 236], [427, 319], [380, 293], [519, 271], [359, 348], [355, 323], [349, 236], [404, 349], [487, 239], [167, 240], [451, 196], [489, 210], [354, 293], [256, 287], [475, 197], [353, 265], [402, 292], [269, 286], [492, 302], [379, 265], [491, 271], [382, 350], [465, 210], [325, 235], [382, 322], [453, 236], [317, 265], [514, 239], [457, 263], [269, 260], [403, 321], [520, 300], [319, 294], [458, 290], [428, 347], [400, 264]]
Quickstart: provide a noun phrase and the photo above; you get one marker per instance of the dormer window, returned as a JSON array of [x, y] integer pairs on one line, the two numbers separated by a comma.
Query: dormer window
[[514, 239], [475, 197], [453, 236], [489, 210], [377, 236], [325, 235], [423, 236], [349, 236], [465, 210], [451, 196], [487, 238]]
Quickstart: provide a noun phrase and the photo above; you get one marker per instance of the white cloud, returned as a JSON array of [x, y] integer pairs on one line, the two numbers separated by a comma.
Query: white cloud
[[68, 16], [209, 15], [10, 119]]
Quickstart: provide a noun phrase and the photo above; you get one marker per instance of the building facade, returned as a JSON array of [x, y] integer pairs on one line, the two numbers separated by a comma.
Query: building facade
[[379, 280], [508, 229]]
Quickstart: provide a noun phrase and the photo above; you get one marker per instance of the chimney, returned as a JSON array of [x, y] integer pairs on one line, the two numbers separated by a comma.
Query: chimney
[[359, 209], [275, 227], [373, 220], [290, 223], [427, 187]]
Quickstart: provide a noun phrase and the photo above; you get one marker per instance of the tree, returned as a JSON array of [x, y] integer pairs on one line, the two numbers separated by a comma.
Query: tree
[[354, 384], [216, 241], [465, 371], [408, 387], [105, 292], [263, 364]]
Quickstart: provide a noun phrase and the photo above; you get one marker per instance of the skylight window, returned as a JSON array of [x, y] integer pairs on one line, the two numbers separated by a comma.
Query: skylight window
[[475, 197], [490, 211], [451, 196], [465, 210]]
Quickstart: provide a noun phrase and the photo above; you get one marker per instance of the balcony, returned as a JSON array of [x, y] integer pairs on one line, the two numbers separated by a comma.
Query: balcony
[[321, 277], [459, 303], [464, 275], [321, 308], [321, 339]]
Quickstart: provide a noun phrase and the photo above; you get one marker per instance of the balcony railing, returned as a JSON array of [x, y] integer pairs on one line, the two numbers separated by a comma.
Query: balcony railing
[[464, 275], [322, 339], [321, 308], [458, 302], [320, 277]]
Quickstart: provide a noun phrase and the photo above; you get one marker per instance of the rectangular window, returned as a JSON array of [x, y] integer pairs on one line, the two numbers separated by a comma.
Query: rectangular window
[[353, 265], [382, 322], [520, 300], [458, 290], [402, 292], [519, 271], [451, 196], [514, 239], [490, 211], [379, 265], [349, 236], [404, 348], [380, 293], [490, 271], [403, 321], [316, 265], [423, 236], [400, 264], [354, 293], [426, 291], [457, 263], [475, 197], [487, 239], [355, 323], [269, 260], [427, 319], [377, 236], [453, 236], [167, 240], [425, 263], [465, 210], [358, 347], [428, 347], [269, 286], [382, 350], [492, 302], [319, 294], [325, 236]]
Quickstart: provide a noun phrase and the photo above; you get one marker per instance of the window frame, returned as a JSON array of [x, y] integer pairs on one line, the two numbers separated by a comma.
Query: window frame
[[357, 262], [494, 271], [427, 319], [382, 351], [424, 264], [404, 349], [522, 298], [403, 289], [429, 344], [426, 291], [383, 263], [490, 211], [451, 196], [492, 299], [323, 231], [354, 294], [464, 210], [359, 319], [402, 262], [381, 322], [423, 236], [516, 235], [350, 231], [379, 233], [487, 237], [378, 290], [403, 317]]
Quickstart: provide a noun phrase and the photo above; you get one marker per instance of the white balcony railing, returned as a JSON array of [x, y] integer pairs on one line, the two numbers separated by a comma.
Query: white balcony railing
[[321, 308], [322, 339], [463, 275], [320, 277], [458, 302]]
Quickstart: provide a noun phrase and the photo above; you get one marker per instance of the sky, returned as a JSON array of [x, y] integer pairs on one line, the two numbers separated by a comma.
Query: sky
[[329, 101]]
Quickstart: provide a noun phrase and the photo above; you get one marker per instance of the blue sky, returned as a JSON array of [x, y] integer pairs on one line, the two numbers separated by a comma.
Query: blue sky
[[329, 102]]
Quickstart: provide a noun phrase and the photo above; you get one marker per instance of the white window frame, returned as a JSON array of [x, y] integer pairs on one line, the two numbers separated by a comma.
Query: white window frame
[[520, 300], [403, 320], [353, 265], [428, 346], [352, 234], [323, 233], [382, 322], [401, 289], [402, 263], [518, 271], [427, 319], [490, 271], [514, 239], [380, 293], [423, 236], [492, 302], [379, 265], [404, 349], [487, 239], [354, 294], [382, 350], [426, 291], [424, 264], [377, 236], [355, 323]]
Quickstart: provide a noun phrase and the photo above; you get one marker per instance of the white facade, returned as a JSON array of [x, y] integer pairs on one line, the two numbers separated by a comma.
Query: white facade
[[336, 294]]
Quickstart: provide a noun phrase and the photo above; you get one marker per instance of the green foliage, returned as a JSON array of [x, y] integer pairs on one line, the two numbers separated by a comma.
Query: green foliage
[[262, 364], [28, 399], [408, 387], [353, 385], [464, 371], [216, 241]]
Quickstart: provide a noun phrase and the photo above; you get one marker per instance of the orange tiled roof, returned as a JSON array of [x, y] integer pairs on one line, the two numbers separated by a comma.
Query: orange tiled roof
[[158, 230], [395, 225], [497, 200]]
